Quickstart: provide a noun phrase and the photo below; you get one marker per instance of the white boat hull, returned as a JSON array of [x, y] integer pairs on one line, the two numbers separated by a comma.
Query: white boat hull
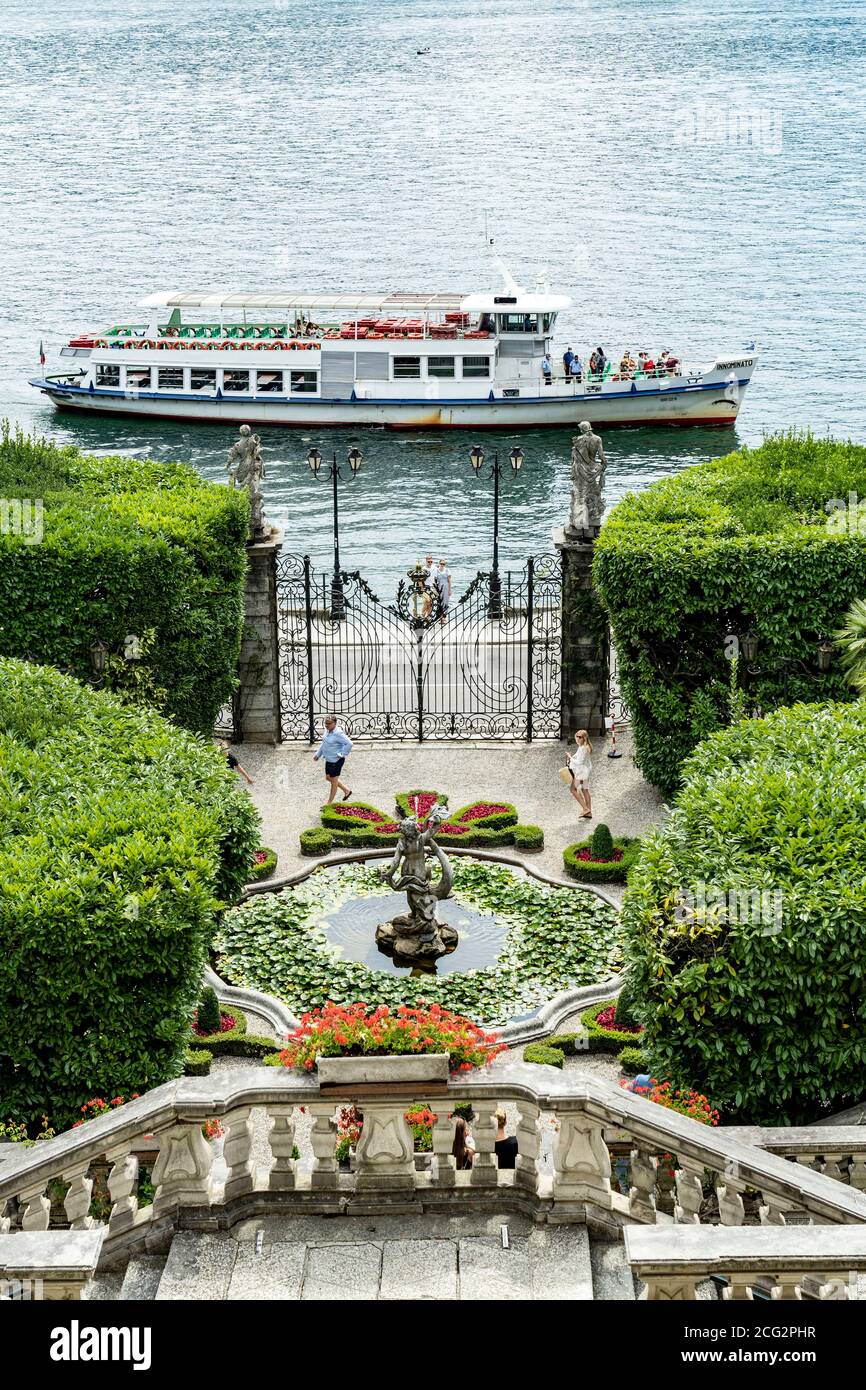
[[713, 399]]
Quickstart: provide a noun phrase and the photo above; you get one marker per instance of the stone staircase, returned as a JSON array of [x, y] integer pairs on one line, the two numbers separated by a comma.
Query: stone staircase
[[389, 1257]]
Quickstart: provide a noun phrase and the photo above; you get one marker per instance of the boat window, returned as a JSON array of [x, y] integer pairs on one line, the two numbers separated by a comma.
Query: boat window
[[440, 366], [269, 381], [547, 322], [406, 367], [476, 366], [518, 323], [138, 378], [170, 378], [202, 379], [304, 381], [108, 376], [236, 381]]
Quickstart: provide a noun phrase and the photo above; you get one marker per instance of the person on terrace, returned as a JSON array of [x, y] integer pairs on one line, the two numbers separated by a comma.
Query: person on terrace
[[463, 1147], [335, 749]]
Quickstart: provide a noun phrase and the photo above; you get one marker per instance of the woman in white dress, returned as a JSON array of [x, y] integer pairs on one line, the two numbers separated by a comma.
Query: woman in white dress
[[580, 767]]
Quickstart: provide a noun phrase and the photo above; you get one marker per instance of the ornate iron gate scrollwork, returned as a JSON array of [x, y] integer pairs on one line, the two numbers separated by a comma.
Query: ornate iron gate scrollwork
[[453, 675]]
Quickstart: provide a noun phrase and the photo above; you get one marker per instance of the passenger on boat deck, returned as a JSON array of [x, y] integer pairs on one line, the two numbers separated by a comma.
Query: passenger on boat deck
[[624, 364], [546, 369], [649, 366], [600, 360], [567, 359], [577, 368]]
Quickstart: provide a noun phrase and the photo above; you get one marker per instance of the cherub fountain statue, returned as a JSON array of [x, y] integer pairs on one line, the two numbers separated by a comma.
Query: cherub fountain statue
[[417, 938]]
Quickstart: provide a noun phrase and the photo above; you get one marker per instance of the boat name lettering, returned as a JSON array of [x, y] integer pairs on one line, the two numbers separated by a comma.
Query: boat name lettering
[[742, 362]]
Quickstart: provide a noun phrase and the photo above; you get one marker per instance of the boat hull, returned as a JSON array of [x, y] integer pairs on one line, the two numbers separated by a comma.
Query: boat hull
[[708, 403]]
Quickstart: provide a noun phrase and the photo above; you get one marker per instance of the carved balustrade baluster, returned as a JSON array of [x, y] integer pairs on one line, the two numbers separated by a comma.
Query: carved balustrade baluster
[[739, 1287], [642, 1192], [35, 1207], [528, 1145], [485, 1168], [324, 1176], [385, 1153], [123, 1187], [76, 1203], [690, 1194], [670, 1288], [857, 1175], [281, 1138], [237, 1150], [444, 1163], [729, 1196]]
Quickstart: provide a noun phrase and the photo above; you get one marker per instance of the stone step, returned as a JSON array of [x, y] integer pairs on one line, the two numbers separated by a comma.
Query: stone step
[[612, 1279], [142, 1277], [199, 1266], [104, 1287]]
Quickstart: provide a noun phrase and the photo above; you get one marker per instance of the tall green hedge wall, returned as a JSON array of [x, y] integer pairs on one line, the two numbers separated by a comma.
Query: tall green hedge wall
[[741, 542], [745, 919], [127, 546], [122, 834]]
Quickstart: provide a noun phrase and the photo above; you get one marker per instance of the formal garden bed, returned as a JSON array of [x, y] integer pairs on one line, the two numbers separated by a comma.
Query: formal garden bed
[[480, 824], [552, 939], [602, 859]]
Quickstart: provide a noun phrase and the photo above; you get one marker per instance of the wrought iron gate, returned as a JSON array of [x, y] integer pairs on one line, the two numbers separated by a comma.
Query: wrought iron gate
[[388, 672]]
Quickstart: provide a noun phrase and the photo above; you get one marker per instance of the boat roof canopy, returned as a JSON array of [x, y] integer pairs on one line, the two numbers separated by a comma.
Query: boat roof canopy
[[280, 299], [489, 302]]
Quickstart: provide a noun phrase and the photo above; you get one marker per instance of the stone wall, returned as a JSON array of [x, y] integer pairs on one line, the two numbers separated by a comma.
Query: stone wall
[[585, 641], [257, 702]]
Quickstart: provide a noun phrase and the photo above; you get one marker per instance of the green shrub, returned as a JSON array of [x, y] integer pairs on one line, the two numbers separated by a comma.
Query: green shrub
[[129, 547], [316, 841], [565, 1042], [198, 1061], [208, 1011], [240, 1045], [601, 845], [528, 837], [122, 836], [631, 1059], [742, 542], [746, 919], [627, 1003], [605, 870], [543, 1055], [605, 1039], [266, 868]]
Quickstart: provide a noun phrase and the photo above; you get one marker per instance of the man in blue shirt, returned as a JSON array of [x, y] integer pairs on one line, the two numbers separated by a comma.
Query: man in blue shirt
[[567, 359], [335, 749]]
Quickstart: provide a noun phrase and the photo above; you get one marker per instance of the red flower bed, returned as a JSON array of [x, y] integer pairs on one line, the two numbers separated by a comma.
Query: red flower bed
[[355, 1031], [389, 828], [357, 813], [586, 855], [226, 1024], [483, 808], [607, 1019], [454, 828], [685, 1102], [422, 805], [259, 857]]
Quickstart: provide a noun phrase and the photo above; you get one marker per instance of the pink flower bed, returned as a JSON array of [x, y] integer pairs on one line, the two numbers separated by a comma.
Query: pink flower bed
[[607, 1019], [586, 854], [483, 808], [226, 1025]]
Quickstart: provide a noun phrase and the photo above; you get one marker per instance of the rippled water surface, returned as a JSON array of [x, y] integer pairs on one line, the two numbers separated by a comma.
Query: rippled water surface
[[691, 175]]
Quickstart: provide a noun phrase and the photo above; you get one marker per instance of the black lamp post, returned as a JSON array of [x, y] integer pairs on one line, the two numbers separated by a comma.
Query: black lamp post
[[98, 658], [476, 458], [824, 649], [354, 458]]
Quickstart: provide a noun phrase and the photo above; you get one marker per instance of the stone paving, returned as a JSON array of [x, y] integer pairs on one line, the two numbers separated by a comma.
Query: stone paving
[[290, 788]]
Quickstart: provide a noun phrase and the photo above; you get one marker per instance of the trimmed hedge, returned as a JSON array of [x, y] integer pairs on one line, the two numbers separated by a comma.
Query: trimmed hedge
[[601, 870], [316, 841], [129, 547], [122, 838], [528, 837], [198, 1062], [267, 868], [742, 542], [632, 1061], [746, 919], [236, 1041], [543, 1055], [605, 1039]]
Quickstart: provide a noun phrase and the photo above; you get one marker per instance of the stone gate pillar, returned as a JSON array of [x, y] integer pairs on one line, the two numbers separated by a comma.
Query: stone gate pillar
[[585, 639], [257, 700]]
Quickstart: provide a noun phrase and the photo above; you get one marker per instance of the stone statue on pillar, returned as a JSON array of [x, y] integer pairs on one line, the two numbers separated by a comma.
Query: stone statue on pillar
[[588, 466], [246, 469]]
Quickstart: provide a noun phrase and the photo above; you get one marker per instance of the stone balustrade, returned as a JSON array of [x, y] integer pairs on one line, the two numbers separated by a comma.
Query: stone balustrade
[[731, 1178], [791, 1264]]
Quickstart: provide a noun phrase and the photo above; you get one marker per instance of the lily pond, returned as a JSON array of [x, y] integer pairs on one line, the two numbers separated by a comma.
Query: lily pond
[[521, 942]]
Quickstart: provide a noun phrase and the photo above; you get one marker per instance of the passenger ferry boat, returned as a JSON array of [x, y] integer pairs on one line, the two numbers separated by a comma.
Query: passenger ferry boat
[[403, 361]]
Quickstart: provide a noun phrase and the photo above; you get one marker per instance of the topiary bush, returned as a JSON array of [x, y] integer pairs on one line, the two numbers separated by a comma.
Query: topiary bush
[[208, 1012], [742, 542], [579, 863], [746, 919], [122, 837], [632, 1061], [528, 837], [601, 844], [129, 547], [264, 864], [197, 1062], [544, 1055], [606, 1037], [316, 841]]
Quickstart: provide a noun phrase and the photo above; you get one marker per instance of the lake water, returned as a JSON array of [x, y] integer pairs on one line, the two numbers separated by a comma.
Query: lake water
[[691, 175]]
